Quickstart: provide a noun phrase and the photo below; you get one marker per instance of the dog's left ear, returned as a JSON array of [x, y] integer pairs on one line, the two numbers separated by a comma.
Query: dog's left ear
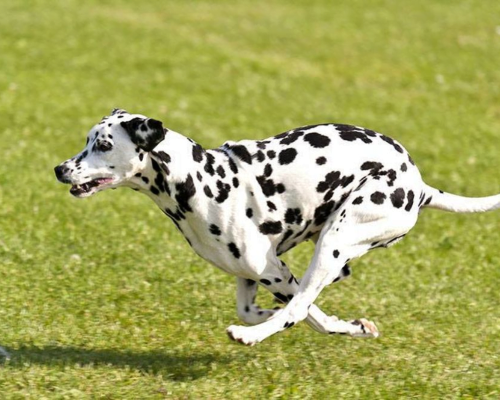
[[145, 133]]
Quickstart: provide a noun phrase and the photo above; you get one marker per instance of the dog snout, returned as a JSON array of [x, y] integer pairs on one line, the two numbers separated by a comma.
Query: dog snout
[[61, 173]]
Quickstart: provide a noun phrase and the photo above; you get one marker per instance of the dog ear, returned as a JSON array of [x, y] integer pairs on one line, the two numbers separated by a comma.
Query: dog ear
[[145, 133], [118, 111]]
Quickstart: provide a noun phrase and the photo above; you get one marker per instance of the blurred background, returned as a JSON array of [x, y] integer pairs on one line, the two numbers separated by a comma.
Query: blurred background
[[102, 298]]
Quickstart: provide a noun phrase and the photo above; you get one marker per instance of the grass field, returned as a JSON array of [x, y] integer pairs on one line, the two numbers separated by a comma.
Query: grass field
[[103, 298]]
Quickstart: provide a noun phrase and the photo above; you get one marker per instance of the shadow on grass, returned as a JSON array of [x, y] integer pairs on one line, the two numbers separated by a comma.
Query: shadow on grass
[[172, 365]]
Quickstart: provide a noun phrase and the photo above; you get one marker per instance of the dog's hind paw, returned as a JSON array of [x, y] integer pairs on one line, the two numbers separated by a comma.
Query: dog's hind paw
[[364, 329]]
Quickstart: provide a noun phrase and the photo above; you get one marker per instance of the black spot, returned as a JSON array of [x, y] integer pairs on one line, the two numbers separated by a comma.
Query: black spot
[[208, 192], [321, 160], [155, 165], [293, 215], [260, 156], [344, 127], [165, 168], [265, 282], [342, 199], [280, 188], [374, 166], [242, 153], [262, 144], [271, 227], [141, 156], [322, 213], [236, 182], [154, 190], [214, 230], [250, 282], [247, 309], [378, 197], [332, 181], [392, 143], [282, 135], [411, 197], [249, 213], [422, 198], [209, 164], [162, 185], [398, 197], [428, 201], [198, 175], [291, 137], [317, 140], [224, 189], [233, 166], [358, 200], [287, 156], [267, 185], [272, 206], [391, 175], [234, 250], [271, 154], [404, 168], [328, 195], [336, 253], [145, 179], [197, 153], [411, 160], [220, 171], [351, 133], [185, 190], [288, 324], [268, 170], [277, 280]]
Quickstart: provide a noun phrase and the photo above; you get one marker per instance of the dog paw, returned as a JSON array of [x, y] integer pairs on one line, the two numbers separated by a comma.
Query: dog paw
[[364, 328], [242, 334]]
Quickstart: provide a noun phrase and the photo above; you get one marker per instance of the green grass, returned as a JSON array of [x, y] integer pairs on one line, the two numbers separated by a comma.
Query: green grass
[[104, 299]]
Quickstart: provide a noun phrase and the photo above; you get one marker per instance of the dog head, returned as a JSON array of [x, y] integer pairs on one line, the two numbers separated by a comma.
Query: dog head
[[114, 153]]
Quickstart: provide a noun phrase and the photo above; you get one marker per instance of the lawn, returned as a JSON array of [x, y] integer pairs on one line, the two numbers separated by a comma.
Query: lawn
[[103, 298]]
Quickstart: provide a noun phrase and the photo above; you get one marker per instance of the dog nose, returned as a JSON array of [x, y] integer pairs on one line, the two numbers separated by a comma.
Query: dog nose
[[60, 171]]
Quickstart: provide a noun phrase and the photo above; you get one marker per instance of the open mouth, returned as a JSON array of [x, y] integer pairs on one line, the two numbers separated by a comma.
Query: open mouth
[[89, 188]]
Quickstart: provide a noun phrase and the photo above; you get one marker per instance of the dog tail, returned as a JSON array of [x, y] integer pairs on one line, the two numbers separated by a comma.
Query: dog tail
[[434, 198]]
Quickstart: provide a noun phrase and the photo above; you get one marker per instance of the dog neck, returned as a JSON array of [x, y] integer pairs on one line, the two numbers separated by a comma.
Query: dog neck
[[168, 173]]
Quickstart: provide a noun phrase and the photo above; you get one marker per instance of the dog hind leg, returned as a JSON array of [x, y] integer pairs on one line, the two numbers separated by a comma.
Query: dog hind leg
[[335, 247]]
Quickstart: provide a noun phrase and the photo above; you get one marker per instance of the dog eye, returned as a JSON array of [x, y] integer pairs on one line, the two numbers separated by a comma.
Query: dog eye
[[104, 146]]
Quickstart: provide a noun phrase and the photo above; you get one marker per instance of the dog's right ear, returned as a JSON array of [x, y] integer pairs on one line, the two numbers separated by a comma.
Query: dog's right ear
[[146, 133]]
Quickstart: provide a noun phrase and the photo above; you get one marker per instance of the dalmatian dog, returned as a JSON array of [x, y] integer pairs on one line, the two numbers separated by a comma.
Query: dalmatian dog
[[242, 205]]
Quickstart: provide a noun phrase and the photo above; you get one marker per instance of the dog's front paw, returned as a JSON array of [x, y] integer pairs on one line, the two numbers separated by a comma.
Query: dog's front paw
[[364, 329], [242, 334]]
